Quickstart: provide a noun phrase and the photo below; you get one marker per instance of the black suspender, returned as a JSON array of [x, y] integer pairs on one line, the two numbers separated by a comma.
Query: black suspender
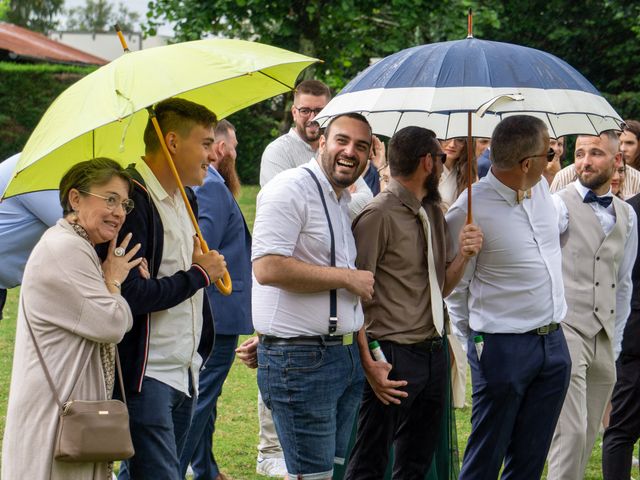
[[333, 294]]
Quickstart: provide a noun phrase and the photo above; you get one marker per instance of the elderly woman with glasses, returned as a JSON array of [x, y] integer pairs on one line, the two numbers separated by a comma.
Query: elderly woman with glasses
[[71, 311]]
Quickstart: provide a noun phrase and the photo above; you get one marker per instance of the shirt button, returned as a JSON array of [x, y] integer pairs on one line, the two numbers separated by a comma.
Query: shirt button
[[597, 258], [613, 285], [597, 283], [596, 309], [611, 311]]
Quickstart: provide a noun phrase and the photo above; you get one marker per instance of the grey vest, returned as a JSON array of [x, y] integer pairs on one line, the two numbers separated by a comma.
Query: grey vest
[[590, 262]]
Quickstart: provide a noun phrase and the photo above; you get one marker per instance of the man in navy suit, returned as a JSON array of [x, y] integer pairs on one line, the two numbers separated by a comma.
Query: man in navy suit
[[224, 230]]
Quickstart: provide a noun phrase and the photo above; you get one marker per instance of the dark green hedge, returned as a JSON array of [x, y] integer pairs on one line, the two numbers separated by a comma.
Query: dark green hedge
[[27, 91]]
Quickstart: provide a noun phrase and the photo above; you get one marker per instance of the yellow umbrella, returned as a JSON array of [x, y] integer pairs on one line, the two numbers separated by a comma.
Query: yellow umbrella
[[104, 114]]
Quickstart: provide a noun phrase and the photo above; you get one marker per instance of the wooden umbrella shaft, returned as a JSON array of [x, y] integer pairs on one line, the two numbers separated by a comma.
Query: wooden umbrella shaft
[[469, 168], [224, 284]]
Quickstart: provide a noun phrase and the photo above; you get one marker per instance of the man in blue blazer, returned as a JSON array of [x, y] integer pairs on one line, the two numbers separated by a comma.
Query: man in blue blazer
[[225, 230]]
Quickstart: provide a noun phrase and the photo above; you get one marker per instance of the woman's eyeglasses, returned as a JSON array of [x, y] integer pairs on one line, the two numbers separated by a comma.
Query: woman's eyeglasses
[[113, 201]]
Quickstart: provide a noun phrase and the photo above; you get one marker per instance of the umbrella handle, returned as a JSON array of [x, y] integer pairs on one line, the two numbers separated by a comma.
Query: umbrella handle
[[223, 284], [469, 169], [123, 42]]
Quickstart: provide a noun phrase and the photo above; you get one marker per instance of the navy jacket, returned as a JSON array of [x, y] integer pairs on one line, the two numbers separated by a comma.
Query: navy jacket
[[631, 337], [155, 294], [225, 230]]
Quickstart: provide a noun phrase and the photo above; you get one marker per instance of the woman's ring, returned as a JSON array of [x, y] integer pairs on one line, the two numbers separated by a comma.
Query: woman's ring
[[119, 252]]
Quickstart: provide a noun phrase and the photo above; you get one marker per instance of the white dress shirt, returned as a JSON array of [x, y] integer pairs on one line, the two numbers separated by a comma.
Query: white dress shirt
[[607, 219], [291, 221], [515, 283], [175, 332], [290, 151], [447, 187]]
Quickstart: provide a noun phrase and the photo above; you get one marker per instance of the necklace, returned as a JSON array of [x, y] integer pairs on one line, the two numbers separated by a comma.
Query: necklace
[[79, 229]]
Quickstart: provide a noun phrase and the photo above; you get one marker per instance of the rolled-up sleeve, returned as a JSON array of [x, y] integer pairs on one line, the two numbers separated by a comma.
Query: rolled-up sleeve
[[280, 214]]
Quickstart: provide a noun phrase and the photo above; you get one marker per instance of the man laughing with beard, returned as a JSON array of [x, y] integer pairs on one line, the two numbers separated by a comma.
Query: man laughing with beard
[[306, 300], [300, 144]]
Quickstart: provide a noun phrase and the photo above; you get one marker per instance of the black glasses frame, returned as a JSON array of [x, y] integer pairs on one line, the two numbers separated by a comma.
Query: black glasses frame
[[308, 111], [549, 156]]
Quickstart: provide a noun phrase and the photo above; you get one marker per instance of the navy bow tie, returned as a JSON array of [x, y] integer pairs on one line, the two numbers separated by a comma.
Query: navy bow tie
[[591, 197]]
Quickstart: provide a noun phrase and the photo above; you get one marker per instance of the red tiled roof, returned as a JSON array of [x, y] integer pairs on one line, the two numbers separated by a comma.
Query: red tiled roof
[[25, 43]]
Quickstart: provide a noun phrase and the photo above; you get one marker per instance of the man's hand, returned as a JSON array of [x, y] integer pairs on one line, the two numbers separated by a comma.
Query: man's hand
[[470, 240], [377, 156], [247, 352], [360, 283], [211, 261], [386, 390]]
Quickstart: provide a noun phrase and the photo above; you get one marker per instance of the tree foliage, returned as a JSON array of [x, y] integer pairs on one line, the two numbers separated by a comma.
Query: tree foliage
[[4, 9], [99, 16], [345, 34], [600, 38], [37, 15]]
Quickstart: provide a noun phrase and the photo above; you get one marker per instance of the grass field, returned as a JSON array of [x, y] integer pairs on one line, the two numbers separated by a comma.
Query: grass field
[[236, 434]]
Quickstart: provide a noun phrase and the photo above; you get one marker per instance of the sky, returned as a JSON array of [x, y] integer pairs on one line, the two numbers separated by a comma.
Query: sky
[[139, 6]]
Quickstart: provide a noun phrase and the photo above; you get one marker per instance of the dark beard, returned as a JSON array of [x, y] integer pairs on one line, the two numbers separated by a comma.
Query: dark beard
[[227, 170], [431, 185], [595, 182]]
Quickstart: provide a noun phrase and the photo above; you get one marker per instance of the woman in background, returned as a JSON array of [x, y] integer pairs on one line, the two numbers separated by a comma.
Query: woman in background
[[455, 174]]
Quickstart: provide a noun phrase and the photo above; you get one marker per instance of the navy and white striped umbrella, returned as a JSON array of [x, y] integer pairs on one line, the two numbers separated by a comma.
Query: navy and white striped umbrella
[[437, 85]]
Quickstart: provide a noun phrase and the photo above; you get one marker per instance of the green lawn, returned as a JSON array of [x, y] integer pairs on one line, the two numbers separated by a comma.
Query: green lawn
[[237, 427]]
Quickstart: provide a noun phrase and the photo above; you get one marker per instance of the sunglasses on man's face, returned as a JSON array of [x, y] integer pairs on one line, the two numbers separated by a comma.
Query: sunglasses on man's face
[[549, 156]]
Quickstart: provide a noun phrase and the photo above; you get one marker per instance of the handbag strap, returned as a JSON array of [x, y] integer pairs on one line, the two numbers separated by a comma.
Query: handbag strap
[[56, 395], [333, 293]]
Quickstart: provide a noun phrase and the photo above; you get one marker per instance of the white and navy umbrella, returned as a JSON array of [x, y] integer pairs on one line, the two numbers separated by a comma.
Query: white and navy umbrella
[[436, 86]]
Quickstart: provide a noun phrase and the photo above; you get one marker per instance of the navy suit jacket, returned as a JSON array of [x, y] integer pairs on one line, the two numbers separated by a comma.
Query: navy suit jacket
[[225, 230]]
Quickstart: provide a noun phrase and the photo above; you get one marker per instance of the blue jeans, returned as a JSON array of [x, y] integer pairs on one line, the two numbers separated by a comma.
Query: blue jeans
[[198, 446], [314, 393], [159, 418]]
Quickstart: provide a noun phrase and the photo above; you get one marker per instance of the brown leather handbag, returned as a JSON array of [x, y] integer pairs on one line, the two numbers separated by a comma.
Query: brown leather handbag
[[90, 430]]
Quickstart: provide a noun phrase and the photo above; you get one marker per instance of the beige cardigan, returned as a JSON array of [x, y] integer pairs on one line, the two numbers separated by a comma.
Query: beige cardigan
[[71, 311]]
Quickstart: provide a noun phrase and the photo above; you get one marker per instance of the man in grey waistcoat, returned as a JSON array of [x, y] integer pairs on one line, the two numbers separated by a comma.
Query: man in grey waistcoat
[[599, 241]]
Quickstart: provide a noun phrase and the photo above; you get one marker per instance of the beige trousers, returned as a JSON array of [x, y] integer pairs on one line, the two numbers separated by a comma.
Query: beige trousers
[[459, 368], [268, 443], [593, 375]]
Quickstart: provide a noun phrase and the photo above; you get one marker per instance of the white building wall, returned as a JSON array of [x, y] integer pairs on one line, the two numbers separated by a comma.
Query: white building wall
[[107, 45]]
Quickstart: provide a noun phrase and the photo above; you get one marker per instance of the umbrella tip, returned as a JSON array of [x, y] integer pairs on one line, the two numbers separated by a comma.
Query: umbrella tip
[[470, 23]]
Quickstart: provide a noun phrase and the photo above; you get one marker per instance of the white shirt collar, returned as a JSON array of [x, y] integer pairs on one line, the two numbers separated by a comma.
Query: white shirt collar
[[582, 190], [216, 173], [151, 182]]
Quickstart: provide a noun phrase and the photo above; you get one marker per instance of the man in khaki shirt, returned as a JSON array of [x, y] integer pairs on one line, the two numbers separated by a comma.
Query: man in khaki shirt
[[403, 401]]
